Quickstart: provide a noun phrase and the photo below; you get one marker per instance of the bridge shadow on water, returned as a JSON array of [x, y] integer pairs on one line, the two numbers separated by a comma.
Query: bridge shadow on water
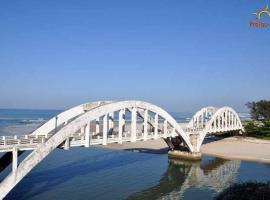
[[147, 150]]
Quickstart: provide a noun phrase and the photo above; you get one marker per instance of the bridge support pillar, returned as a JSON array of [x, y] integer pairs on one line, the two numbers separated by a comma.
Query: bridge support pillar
[[133, 124], [14, 160], [97, 126], [194, 140], [165, 128], [120, 126], [105, 129], [111, 122], [67, 144], [177, 154], [156, 127], [179, 150], [87, 135], [145, 125]]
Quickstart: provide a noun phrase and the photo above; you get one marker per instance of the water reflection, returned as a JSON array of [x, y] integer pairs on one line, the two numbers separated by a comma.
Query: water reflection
[[98, 173], [211, 173]]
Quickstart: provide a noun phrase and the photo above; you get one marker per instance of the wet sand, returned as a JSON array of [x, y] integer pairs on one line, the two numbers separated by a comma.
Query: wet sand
[[229, 148]]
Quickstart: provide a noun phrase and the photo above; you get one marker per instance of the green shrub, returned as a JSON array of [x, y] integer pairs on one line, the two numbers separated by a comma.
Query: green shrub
[[257, 128]]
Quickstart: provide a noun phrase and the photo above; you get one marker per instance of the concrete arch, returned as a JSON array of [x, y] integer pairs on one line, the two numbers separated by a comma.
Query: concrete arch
[[66, 116], [51, 126], [43, 149], [228, 120], [199, 119]]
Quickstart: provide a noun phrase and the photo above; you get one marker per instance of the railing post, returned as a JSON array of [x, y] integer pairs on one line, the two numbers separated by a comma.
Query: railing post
[[145, 125], [105, 129], [5, 141], [133, 124]]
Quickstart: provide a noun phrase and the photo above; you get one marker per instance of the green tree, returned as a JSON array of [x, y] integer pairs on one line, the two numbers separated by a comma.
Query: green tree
[[259, 110]]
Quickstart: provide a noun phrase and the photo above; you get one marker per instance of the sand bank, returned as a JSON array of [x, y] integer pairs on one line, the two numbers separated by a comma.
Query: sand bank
[[229, 148]]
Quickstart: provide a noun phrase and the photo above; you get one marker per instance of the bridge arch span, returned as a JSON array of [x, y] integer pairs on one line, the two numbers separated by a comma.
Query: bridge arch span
[[66, 116], [67, 130], [75, 122], [203, 115], [223, 120]]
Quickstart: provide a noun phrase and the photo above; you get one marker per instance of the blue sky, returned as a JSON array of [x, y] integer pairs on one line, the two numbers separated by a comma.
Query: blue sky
[[181, 55]]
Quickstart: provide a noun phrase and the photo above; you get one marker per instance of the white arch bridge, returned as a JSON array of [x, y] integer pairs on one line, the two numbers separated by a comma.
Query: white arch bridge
[[105, 122]]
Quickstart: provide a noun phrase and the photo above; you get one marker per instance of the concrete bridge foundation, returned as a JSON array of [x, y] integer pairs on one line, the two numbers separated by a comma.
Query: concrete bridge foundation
[[178, 149]]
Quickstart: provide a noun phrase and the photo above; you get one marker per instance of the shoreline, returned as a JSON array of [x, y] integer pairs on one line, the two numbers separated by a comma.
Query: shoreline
[[232, 148]]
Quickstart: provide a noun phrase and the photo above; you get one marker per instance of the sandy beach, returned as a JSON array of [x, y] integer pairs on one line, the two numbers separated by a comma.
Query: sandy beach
[[229, 148]]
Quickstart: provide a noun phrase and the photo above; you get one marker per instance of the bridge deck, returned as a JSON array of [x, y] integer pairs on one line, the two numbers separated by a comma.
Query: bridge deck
[[30, 142]]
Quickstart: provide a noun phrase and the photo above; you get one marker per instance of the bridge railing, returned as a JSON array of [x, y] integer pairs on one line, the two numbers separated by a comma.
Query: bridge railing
[[22, 139]]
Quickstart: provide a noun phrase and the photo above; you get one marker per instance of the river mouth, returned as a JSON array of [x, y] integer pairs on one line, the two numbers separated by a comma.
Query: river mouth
[[98, 173]]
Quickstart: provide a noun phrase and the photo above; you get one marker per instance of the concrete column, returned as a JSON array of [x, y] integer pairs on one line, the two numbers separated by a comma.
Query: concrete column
[[105, 129], [218, 122], [120, 126], [111, 121], [82, 130], [87, 135], [231, 119], [124, 120], [133, 124], [145, 125], [165, 128], [14, 159], [226, 119], [229, 122], [194, 141], [202, 119], [97, 126], [156, 127], [67, 144]]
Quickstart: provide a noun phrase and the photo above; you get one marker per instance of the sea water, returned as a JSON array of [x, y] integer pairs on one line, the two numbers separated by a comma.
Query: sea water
[[100, 173]]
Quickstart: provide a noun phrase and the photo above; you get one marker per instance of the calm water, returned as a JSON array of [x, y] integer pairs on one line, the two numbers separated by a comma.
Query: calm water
[[98, 173]]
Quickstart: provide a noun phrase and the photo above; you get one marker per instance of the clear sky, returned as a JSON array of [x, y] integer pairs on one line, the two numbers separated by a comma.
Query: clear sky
[[181, 55]]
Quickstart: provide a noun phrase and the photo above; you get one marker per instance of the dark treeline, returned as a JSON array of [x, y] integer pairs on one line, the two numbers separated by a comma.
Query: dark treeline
[[260, 125], [259, 110]]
